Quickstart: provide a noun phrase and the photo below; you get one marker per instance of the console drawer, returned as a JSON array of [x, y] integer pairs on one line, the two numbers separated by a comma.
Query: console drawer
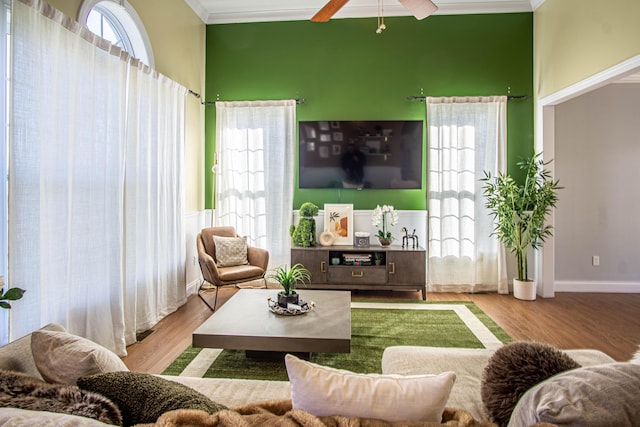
[[370, 275]]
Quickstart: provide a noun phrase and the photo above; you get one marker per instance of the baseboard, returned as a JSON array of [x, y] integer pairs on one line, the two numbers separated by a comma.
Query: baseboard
[[597, 286], [192, 287]]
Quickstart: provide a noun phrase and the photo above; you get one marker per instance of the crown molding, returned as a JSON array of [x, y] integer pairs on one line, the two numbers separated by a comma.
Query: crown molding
[[631, 78], [199, 9], [361, 11], [536, 4]]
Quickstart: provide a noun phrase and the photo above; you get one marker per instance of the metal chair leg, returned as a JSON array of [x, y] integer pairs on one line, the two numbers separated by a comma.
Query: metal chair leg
[[215, 301]]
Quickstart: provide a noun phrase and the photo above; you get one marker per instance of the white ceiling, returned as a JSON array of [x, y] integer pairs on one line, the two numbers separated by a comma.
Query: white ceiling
[[235, 11]]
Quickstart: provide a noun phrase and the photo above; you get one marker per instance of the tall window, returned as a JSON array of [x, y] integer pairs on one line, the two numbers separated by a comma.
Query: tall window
[[466, 137], [255, 148], [119, 23]]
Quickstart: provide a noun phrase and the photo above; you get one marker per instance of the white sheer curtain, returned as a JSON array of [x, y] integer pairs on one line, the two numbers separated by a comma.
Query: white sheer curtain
[[466, 136], [255, 144], [70, 226], [154, 231], [5, 9]]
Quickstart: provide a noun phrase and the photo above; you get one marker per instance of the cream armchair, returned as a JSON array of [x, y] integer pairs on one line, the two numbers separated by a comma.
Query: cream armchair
[[215, 276]]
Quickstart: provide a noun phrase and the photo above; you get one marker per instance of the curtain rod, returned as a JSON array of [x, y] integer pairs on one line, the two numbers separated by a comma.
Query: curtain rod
[[205, 103], [424, 98]]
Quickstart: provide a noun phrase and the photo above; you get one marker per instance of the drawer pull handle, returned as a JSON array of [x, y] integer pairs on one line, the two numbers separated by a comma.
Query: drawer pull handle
[[323, 267], [354, 274], [393, 268]]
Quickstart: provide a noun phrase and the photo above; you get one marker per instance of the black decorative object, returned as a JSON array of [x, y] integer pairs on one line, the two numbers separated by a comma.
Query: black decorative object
[[285, 300], [413, 237]]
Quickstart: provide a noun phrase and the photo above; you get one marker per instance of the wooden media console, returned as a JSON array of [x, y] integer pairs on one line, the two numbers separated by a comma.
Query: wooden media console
[[355, 268]]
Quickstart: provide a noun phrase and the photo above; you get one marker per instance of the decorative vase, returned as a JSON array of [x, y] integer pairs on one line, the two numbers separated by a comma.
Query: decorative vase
[[525, 289], [285, 300], [384, 242]]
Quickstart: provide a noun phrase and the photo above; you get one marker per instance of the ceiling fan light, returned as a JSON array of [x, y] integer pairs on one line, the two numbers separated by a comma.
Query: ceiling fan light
[[419, 8]]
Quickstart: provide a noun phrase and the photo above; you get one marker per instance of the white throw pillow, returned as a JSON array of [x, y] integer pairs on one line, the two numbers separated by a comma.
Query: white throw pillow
[[324, 391], [62, 357], [230, 251]]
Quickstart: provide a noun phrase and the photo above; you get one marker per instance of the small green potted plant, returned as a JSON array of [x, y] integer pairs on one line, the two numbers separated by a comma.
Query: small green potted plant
[[288, 278], [12, 294], [520, 212], [377, 256], [305, 233]]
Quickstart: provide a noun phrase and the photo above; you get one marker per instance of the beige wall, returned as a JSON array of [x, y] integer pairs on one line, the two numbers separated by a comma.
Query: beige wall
[[575, 39], [177, 37]]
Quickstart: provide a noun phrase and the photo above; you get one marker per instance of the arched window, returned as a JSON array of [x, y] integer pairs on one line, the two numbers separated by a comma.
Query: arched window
[[118, 22]]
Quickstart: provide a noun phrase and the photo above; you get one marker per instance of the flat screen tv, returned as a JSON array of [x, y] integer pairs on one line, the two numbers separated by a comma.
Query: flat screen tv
[[381, 154]]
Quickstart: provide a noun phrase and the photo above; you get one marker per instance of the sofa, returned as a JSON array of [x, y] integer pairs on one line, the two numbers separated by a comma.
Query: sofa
[[462, 398]]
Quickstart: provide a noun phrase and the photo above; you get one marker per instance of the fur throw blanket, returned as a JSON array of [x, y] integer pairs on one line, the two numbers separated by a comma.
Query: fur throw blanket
[[18, 390], [279, 413]]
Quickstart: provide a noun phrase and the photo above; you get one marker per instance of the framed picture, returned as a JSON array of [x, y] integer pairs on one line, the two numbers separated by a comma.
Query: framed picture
[[311, 132], [338, 219], [323, 125], [336, 149], [325, 137], [337, 136], [324, 152]]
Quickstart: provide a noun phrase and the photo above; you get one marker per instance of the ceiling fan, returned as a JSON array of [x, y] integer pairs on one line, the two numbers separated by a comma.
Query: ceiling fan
[[418, 8]]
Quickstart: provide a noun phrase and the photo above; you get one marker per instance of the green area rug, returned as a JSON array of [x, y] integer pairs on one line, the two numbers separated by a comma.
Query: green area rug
[[439, 324]]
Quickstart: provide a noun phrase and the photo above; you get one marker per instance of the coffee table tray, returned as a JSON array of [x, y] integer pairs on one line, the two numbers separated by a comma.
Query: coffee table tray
[[305, 307]]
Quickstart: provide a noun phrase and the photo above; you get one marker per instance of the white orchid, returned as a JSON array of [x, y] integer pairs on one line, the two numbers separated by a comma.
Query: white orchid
[[387, 216]]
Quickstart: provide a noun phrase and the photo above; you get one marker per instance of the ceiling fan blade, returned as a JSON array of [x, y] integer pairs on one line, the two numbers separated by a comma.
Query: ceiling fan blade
[[419, 8], [329, 10]]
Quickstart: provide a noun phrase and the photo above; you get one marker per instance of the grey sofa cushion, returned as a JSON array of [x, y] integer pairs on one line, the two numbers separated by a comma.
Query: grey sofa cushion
[[17, 356], [595, 396], [63, 358]]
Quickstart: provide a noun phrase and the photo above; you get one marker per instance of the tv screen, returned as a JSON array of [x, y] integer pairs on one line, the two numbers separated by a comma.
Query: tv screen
[[382, 154]]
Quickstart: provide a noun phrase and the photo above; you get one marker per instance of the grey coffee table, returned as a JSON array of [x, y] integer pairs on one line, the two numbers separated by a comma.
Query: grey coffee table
[[245, 322]]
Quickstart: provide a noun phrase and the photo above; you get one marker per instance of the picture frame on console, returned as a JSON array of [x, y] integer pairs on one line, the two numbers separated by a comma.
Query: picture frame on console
[[338, 220]]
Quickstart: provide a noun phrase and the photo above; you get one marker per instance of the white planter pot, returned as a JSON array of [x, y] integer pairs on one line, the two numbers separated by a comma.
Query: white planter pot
[[525, 290]]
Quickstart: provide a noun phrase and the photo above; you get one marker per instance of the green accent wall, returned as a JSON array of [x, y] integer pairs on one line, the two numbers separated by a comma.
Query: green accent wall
[[345, 71]]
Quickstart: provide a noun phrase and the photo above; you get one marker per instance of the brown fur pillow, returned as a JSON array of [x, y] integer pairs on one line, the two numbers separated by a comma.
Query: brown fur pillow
[[18, 390], [514, 369]]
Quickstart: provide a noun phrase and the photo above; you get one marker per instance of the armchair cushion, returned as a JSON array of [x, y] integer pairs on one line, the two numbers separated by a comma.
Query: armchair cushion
[[231, 251], [239, 273]]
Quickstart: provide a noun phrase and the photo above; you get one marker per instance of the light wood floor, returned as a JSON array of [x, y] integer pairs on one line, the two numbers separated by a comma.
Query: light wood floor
[[607, 322]]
